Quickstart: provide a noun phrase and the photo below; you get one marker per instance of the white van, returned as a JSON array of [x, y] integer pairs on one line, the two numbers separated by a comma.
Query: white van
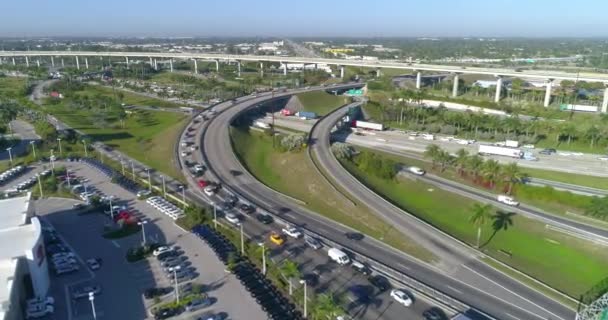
[[507, 200], [338, 256]]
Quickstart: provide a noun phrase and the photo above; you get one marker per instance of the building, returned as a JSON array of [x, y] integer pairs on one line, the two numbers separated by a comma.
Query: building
[[23, 264]]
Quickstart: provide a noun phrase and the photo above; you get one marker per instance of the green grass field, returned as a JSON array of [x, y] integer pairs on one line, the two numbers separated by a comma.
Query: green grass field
[[294, 175], [11, 86], [583, 180], [563, 262], [130, 98], [320, 102]]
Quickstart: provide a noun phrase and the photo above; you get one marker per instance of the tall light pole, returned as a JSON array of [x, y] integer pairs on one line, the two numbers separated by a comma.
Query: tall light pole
[[183, 195], [261, 244], [67, 175], [122, 165], [143, 223], [305, 298], [149, 180], [174, 269], [111, 210], [59, 143], [10, 155], [164, 187], [132, 169], [52, 162], [215, 215], [84, 143], [242, 241], [40, 185], [33, 148], [92, 299]]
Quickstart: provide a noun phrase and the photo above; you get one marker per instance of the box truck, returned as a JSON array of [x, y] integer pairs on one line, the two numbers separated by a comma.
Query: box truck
[[369, 125], [500, 151], [306, 115]]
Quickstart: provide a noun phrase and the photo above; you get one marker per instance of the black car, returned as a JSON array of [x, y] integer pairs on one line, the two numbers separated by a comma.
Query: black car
[[380, 282], [247, 208], [232, 199], [165, 313], [264, 218], [354, 235], [151, 293], [434, 313], [548, 151]]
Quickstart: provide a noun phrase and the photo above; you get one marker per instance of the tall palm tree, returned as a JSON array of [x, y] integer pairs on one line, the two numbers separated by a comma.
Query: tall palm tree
[[480, 216], [491, 171], [462, 160], [475, 164], [512, 174], [444, 158], [432, 152], [327, 306], [290, 270]]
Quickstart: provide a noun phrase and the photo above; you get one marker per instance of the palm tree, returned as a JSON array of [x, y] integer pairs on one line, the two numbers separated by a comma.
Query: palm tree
[[491, 171], [475, 164], [290, 270], [501, 221], [593, 134], [432, 152], [462, 160], [444, 158], [512, 175], [481, 215], [327, 306]]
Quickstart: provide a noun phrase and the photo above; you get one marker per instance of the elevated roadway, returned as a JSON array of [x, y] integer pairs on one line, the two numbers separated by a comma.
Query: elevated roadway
[[459, 274]]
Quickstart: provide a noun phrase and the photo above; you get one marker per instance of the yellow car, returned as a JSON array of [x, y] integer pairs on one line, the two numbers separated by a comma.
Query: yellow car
[[276, 238]]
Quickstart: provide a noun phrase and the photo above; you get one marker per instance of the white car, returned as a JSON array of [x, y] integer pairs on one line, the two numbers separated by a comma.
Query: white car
[[232, 218], [209, 190], [507, 200], [401, 297], [184, 153], [292, 232], [603, 158], [39, 311], [162, 249], [416, 171]]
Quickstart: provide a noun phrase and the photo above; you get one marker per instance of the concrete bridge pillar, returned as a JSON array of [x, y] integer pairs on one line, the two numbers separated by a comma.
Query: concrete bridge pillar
[[38, 63], [62, 63], [52, 61], [217, 65], [195, 66], [238, 66], [548, 92], [455, 85], [284, 69], [13, 60], [171, 64], [151, 65], [498, 89], [127, 61], [341, 71], [86, 63], [27, 61], [77, 63], [378, 73], [605, 101], [155, 65], [418, 79], [262, 69]]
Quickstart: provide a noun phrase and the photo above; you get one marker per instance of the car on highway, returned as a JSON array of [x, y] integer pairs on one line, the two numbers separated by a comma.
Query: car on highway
[[276, 238], [210, 190], [354, 236], [292, 232], [507, 200], [416, 171], [434, 313], [380, 282], [202, 183], [232, 218], [312, 242], [401, 297], [247, 208], [548, 151], [603, 158], [161, 249], [264, 218]]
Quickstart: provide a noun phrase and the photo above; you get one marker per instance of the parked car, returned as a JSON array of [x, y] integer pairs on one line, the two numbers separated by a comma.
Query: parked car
[[197, 304], [380, 282], [165, 313], [162, 249], [151, 293], [93, 263], [39, 311], [361, 268], [276, 238], [312, 242], [434, 313], [401, 297], [83, 292]]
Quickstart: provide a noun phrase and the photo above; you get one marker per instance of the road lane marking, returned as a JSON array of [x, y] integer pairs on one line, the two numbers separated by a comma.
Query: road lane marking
[[453, 289], [115, 244], [512, 316]]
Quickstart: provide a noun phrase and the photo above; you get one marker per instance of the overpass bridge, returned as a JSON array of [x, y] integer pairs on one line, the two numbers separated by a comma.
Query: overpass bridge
[[499, 73]]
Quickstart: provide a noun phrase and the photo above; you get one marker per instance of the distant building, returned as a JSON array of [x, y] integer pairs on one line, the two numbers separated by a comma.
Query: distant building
[[338, 50], [23, 263]]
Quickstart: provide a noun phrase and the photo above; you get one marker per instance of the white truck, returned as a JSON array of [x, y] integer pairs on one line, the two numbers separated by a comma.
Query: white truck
[[338, 256], [369, 125], [512, 143], [500, 151]]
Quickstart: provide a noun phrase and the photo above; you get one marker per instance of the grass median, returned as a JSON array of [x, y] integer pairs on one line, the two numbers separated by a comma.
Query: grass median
[[320, 102], [292, 173], [566, 263]]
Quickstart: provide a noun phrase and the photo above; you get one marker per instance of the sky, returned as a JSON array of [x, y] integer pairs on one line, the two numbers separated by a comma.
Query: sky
[[309, 18]]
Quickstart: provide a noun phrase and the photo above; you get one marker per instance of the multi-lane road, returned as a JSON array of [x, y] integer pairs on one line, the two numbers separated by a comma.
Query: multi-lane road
[[460, 273]]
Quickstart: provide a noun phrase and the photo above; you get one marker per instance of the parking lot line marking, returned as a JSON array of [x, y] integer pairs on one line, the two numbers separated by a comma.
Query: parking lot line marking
[[115, 244]]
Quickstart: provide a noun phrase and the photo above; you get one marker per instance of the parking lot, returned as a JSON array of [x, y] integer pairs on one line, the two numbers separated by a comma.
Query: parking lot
[[122, 282]]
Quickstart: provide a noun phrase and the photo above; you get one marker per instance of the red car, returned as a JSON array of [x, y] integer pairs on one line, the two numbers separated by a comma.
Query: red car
[[123, 215], [202, 183]]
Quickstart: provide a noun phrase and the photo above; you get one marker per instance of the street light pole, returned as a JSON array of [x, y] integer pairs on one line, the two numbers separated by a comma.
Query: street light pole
[[10, 155], [60, 151], [52, 162], [86, 153], [67, 175], [92, 299], [143, 230], [149, 180], [261, 244], [305, 298], [174, 269], [111, 210], [40, 186], [183, 195], [132, 170], [33, 149], [164, 187], [122, 165], [242, 241], [215, 215]]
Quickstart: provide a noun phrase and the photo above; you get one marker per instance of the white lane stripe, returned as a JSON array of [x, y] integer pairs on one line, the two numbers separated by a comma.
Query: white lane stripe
[[512, 316], [513, 293], [453, 289], [115, 244]]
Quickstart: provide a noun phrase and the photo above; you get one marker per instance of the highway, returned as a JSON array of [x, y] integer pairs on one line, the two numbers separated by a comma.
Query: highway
[[531, 74], [459, 273]]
